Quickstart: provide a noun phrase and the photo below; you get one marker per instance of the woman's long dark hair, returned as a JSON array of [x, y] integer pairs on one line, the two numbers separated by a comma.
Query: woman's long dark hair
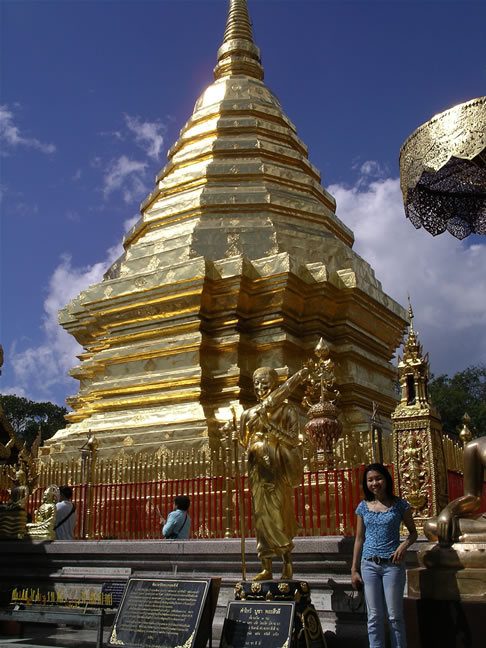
[[380, 468]]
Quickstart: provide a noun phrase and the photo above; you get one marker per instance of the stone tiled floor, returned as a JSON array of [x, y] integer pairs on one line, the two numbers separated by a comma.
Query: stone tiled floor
[[43, 636]]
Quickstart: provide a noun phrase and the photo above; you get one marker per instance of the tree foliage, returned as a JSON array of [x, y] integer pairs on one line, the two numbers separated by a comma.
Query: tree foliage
[[26, 416], [464, 392]]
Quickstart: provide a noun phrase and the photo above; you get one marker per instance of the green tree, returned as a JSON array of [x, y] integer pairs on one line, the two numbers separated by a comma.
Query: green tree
[[26, 416], [464, 392]]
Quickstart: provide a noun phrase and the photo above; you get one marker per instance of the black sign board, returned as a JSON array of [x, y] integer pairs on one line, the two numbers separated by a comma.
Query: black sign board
[[116, 590], [258, 624], [164, 613]]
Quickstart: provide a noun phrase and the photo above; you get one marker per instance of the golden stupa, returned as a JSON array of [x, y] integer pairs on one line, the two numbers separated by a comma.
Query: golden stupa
[[238, 261]]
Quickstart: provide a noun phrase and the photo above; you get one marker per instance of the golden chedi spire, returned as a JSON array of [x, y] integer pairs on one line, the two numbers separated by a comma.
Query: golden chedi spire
[[238, 176], [238, 260], [238, 54]]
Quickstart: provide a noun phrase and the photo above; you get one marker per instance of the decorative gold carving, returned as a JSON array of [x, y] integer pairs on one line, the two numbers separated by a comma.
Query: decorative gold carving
[[114, 639], [465, 434], [419, 457], [443, 171], [458, 132], [413, 473], [323, 427], [21, 479]]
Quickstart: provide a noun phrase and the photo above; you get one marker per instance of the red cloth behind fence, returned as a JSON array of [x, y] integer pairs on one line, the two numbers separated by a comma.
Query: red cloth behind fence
[[324, 505]]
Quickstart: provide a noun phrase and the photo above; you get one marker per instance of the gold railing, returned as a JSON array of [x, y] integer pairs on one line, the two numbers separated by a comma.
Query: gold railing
[[454, 454]]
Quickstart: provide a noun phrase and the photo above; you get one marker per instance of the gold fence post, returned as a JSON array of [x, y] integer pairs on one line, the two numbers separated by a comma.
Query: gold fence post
[[88, 455], [228, 470]]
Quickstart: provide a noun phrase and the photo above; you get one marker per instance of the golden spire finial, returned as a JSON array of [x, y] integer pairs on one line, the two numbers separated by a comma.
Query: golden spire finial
[[410, 312], [238, 54]]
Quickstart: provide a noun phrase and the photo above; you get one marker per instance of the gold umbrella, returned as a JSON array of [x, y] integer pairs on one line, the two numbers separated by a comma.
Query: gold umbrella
[[443, 171]]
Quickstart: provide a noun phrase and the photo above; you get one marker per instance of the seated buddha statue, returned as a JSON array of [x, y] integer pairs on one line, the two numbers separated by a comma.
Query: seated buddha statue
[[42, 528], [458, 521]]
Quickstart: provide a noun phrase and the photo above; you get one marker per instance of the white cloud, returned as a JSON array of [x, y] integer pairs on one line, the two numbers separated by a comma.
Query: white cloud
[[445, 277], [10, 134], [148, 135], [125, 175], [41, 372]]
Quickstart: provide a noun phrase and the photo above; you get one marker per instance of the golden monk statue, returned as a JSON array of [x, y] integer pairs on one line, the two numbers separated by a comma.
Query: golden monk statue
[[42, 528], [270, 433], [458, 521]]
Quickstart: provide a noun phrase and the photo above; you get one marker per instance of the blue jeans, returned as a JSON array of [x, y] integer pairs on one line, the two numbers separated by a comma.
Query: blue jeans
[[383, 587]]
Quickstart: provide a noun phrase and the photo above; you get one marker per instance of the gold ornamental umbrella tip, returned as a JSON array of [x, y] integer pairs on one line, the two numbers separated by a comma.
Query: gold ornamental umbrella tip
[[238, 54]]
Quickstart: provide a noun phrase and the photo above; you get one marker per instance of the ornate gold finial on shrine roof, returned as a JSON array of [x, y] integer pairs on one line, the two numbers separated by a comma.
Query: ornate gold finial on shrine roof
[[465, 434], [238, 54], [413, 352], [413, 369]]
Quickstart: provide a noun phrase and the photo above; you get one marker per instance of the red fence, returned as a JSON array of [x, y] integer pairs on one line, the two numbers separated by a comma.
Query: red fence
[[324, 505]]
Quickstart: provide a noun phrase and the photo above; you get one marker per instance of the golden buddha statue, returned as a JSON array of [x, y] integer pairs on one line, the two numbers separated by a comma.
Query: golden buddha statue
[[458, 522], [42, 528], [19, 493], [270, 433], [13, 516]]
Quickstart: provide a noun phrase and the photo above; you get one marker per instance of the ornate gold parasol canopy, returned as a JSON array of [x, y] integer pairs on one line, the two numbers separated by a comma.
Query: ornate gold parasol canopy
[[443, 171]]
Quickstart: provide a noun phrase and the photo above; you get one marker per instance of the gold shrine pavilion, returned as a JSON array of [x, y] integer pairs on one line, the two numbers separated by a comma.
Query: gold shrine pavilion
[[237, 261]]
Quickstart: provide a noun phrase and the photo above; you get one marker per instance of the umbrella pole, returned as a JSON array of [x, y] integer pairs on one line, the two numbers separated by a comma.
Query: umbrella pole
[[241, 497]]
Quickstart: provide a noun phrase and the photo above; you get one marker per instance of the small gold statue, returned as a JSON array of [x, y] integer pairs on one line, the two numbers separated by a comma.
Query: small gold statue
[[42, 528], [457, 521], [270, 433], [13, 516], [19, 493]]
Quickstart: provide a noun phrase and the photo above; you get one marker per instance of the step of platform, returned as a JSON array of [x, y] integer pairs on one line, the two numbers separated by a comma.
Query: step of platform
[[324, 562]]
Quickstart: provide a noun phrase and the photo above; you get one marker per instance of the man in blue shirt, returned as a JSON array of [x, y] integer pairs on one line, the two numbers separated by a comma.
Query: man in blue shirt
[[178, 524]]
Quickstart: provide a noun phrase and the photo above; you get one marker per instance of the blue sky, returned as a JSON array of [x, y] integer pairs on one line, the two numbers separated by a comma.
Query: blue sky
[[93, 93]]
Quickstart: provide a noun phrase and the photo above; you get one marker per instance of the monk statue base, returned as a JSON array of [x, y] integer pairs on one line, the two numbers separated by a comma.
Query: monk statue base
[[307, 626]]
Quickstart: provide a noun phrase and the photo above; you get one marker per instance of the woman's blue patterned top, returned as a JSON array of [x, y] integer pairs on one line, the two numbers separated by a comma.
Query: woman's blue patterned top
[[382, 528]]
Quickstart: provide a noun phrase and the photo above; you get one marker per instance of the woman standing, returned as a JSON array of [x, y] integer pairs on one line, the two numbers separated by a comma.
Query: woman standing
[[378, 556]]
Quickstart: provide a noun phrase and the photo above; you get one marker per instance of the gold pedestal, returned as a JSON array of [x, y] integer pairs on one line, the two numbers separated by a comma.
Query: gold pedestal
[[446, 602], [447, 584]]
